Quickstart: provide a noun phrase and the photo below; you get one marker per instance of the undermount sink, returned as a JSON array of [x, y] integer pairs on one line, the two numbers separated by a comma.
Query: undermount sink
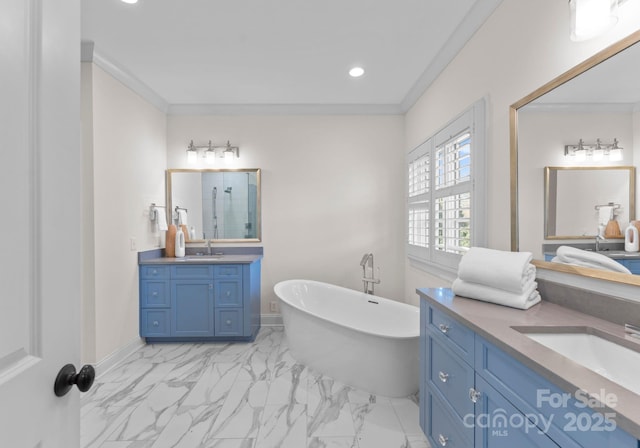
[[607, 358]]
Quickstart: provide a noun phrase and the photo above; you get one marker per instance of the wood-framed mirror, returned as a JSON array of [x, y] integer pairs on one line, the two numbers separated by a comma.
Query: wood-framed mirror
[[601, 90]]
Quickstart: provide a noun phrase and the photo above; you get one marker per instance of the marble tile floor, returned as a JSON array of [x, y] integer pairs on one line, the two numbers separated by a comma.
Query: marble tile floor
[[240, 395]]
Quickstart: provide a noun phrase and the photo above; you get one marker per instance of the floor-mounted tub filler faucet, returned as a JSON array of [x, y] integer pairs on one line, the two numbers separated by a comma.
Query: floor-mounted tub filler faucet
[[368, 282]]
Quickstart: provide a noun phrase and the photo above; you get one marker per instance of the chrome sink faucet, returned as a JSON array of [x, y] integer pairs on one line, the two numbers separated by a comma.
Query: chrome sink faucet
[[368, 282], [208, 247], [598, 238]]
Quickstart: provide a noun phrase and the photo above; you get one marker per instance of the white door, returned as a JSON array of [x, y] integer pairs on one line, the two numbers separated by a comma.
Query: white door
[[40, 252]]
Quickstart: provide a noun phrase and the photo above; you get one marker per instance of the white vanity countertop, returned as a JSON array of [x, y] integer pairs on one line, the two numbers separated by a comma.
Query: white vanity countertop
[[495, 323]]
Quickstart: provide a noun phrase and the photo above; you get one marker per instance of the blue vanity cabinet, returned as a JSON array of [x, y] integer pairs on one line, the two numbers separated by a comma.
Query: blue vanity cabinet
[[632, 264], [473, 394], [199, 302]]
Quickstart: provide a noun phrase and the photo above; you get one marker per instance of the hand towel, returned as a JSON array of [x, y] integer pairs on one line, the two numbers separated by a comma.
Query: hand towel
[[522, 301], [509, 271], [579, 257], [161, 219], [182, 217], [604, 214]]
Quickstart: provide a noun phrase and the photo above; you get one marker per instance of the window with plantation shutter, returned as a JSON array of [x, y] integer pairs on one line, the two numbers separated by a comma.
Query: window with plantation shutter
[[445, 193]]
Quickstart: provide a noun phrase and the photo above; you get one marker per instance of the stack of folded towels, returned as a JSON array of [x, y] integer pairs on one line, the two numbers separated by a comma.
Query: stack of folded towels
[[579, 257], [504, 278]]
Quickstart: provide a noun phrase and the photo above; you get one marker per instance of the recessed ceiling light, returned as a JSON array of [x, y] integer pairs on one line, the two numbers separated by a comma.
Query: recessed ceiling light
[[356, 72], [131, 2]]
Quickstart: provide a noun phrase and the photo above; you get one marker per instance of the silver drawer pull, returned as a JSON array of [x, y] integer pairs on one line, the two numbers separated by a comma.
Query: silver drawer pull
[[444, 328], [443, 376], [443, 440], [154, 293], [474, 395], [228, 293], [229, 322], [154, 272], [156, 323]]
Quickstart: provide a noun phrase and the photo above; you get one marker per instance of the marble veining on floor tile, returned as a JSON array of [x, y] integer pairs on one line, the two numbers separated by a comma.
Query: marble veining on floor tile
[[238, 395]]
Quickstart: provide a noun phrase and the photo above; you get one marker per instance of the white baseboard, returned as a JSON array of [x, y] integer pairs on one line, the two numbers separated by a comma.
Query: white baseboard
[[271, 320], [104, 365]]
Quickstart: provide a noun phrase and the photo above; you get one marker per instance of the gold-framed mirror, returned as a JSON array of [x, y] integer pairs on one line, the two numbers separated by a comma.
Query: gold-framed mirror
[[221, 205], [603, 89]]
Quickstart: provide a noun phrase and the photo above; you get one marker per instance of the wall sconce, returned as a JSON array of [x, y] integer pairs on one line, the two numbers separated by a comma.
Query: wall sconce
[[596, 152], [590, 18], [210, 153]]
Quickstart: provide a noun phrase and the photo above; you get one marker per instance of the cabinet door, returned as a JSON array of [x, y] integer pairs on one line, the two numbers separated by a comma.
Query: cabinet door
[[192, 308], [500, 425]]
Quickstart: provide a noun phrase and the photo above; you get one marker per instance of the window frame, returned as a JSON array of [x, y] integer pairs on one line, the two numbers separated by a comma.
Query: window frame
[[428, 258]]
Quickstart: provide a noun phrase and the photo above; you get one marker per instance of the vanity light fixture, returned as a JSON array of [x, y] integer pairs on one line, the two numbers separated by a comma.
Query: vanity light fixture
[[211, 152], [590, 18], [597, 152], [131, 2], [231, 152], [192, 153]]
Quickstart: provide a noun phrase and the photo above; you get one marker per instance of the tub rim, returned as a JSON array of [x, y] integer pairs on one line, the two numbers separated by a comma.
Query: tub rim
[[411, 308]]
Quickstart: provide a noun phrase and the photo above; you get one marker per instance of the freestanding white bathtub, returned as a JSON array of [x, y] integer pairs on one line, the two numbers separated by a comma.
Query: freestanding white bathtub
[[365, 341]]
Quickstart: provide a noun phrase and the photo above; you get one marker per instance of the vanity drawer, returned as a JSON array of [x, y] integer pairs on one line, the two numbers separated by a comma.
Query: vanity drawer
[[153, 271], [228, 293], [532, 394], [451, 376], [155, 323], [455, 335], [443, 428], [155, 294], [228, 270], [229, 322], [193, 271]]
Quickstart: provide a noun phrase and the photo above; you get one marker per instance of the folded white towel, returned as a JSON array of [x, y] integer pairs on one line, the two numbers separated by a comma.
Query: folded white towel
[[509, 271], [161, 219], [604, 214], [522, 301], [579, 257]]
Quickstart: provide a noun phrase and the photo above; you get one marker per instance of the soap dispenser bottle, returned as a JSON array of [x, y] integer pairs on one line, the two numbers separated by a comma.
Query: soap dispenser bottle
[[631, 243], [180, 243]]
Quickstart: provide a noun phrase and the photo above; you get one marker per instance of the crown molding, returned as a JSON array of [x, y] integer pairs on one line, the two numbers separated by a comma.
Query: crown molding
[[88, 53], [284, 109], [475, 18]]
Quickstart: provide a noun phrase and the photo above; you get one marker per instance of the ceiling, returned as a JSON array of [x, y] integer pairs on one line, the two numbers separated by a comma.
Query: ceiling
[[238, 54]]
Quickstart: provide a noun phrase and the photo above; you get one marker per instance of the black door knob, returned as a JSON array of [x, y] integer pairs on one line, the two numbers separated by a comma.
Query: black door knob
[[67, 377]]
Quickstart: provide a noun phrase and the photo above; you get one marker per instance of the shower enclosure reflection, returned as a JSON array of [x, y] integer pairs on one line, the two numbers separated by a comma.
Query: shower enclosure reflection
[[221, 205]]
